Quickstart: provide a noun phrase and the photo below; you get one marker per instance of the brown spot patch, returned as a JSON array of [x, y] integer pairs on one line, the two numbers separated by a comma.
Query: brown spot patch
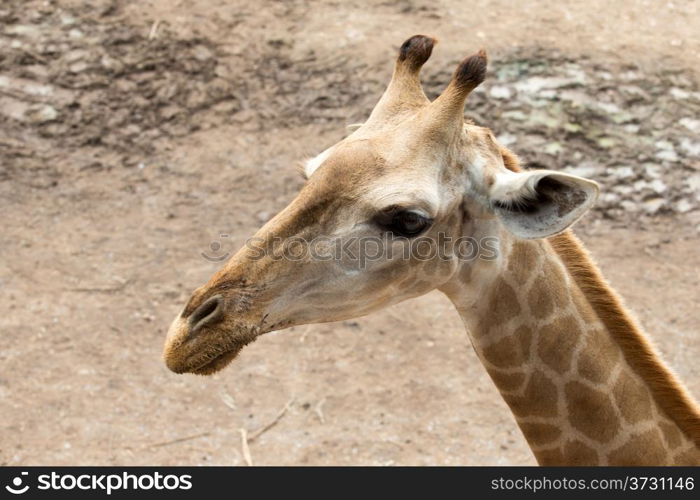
[[522, 260], [541, 298], [672, 435], [591, 412], [688, 457], [507, 381], [633, 398], [540, 434], [643, 449], [465, 273], [551, 456], [454, 221], [584, 308], [557, 341], [557, 284], [577, 453], [539, 399], [503, 303], [483, 327], [505, 353], [598, 357]]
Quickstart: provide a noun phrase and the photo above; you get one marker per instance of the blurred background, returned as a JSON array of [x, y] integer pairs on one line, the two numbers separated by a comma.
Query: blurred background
[[143, 141]]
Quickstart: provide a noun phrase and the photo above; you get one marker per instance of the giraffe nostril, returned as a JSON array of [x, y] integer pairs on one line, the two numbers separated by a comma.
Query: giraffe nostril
[[209, 312]]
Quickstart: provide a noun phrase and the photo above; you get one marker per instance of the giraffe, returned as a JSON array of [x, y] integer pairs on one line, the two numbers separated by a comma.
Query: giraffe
[[584, 384]]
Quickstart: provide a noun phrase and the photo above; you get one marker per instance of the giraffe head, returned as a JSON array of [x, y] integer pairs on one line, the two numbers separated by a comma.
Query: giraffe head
[[384, 215]]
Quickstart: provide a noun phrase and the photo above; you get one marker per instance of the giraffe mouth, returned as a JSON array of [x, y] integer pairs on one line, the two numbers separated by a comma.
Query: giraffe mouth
[[218, 363], [207, 352]]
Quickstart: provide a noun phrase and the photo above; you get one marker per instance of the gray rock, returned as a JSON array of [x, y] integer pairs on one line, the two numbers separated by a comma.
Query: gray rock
[[609, 199], [640, 185], [13, 108], [653, 205], [683, 206], [606, 142], [629, 206], [679, 93], [583, 170], [553, 148], [658, 186], [41, 114], [574, 128], [201, 53], [27, 30], [76, 55], [516, 115], [624, 189], [693, 183], [500, 92], [691, 124], [536, 84], [664, 145], [67, 20], [622, 172], [78, 67], [540, 117], [652, 171], [666, 155], [507, 139], [690, 147]]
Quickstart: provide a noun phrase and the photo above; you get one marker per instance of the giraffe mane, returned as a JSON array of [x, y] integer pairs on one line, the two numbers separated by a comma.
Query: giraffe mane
[[639, 352], [636, 347]]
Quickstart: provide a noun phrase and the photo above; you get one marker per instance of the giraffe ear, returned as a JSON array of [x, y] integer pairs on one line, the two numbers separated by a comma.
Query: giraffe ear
[[540, 203]]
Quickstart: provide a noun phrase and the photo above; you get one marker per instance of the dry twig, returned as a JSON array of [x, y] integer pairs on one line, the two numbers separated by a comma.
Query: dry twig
[[154, 30], [256, 434], [178, 440], [244, 446], [319, 410], [228, 400], [246, 439], [122, 283]]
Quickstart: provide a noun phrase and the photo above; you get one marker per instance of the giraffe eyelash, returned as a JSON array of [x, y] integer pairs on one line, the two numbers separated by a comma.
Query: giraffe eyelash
[[525, 204], [527, 200]]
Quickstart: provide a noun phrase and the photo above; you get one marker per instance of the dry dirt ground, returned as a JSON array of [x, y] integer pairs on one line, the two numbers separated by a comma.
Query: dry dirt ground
[[134, 134]]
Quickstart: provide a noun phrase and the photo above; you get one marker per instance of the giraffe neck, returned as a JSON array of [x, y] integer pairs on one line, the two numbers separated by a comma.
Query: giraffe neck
[[580, 392]]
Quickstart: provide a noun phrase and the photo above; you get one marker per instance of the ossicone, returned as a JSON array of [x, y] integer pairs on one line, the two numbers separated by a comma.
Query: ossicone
[[415, 51], [472, 71]]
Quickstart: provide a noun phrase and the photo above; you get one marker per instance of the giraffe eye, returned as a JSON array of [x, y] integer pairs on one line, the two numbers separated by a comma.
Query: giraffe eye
[[405, 223]]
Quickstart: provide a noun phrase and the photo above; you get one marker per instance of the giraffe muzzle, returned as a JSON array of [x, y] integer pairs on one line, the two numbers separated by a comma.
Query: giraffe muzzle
[[206, 341]]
